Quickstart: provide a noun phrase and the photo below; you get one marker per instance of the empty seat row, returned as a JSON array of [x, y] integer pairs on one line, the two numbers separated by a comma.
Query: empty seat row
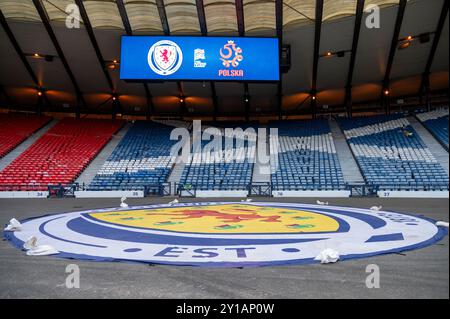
[[391, 155], [304, 157], [60, 155], [15, 128], [142, 158], [226, 167], [437, 123]]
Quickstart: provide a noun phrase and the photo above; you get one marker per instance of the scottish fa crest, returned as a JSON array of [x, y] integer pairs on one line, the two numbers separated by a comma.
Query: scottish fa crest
[[165, 57], [227, 234]]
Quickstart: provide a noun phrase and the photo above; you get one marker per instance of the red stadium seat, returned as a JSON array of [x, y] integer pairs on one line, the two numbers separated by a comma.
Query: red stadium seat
[[15, 128], [60, 155]]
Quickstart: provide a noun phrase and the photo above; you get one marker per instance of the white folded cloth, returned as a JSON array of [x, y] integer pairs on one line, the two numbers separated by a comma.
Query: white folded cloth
[[328, 256], [14, 225]]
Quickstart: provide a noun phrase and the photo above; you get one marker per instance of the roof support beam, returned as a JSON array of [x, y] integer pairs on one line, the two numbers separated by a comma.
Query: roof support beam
[[317, 31], [22, 57], [163, 16], [166, 29], [5, 95], [279, 29], [115, 107], [201, 17], [182, 100], [425, 82], [356, 31], [204, 30], [241, 29], [39, 105], [46, 21], [129, 31], [98, 53], [240, 17], [124, 17], [392, 50], [150, 105], [246, 103], [215, 103]]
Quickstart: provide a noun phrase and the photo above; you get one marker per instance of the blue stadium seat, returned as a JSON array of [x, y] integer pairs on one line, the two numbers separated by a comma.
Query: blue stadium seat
[[208, 172], [141, 159], [307, 158], [437, 123], [392, 156]]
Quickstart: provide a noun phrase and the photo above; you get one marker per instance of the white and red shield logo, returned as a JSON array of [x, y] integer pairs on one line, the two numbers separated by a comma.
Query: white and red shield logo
[[165, 57]]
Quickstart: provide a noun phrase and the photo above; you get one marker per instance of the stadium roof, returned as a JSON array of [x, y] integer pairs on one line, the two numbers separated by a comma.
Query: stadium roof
[[78, 59]]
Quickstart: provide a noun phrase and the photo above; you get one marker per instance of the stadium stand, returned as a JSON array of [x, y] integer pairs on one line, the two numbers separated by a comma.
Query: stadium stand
[[141, 159], [392, 156], [59, 156], [437, 123], [175, 123], [228, 169], [307, 158], [15, 128]]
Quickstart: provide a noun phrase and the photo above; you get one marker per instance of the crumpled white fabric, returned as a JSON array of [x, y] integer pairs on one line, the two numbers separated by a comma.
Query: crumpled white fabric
[[175, 201], [38, 250], [321, 203], [376, 208], [441, 223], [14, 225], [327, 256], [122, 202], [30, 243], [42, 250]]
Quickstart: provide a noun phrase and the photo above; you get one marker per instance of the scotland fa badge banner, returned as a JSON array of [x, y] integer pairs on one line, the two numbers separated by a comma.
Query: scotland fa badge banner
[[227, 234], [165, 57], [199, 58]]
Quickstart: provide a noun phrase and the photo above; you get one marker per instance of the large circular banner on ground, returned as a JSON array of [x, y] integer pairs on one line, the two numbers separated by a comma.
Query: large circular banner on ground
[[227, 234]]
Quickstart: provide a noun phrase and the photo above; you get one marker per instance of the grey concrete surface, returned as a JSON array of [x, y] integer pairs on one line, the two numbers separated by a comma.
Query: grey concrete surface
[[422, 273]]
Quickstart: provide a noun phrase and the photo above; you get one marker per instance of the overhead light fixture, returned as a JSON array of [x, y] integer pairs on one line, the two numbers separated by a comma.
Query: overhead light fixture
[[39, 92], [407, 41], [330, 54], [181, 100], [112, 64], [36, 55], [386, 92], [404, 45], [313, 97]]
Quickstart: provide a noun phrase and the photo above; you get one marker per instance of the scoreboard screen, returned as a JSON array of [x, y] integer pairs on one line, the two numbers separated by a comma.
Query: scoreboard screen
[[199, 58]]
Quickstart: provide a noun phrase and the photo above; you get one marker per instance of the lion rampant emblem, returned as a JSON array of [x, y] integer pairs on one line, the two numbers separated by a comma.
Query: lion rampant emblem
[[165, 57]]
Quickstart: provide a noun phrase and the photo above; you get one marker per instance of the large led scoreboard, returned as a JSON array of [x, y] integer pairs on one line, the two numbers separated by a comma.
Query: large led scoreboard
[[199, 58]]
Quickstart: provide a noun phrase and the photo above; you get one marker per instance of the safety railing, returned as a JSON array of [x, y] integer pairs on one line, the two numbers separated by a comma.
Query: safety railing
[[260, 189], [60, 191]]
